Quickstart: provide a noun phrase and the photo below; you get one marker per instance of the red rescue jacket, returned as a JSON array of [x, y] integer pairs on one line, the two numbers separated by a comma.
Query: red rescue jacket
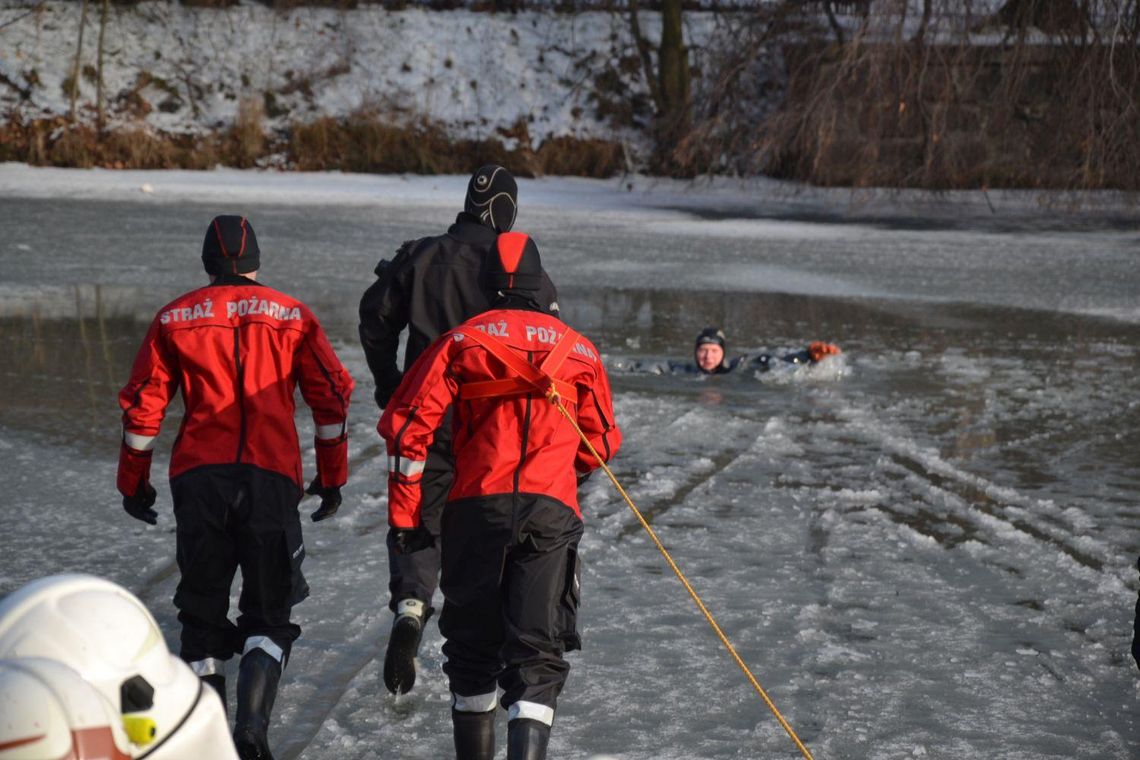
[[237, 350], [517, 443]]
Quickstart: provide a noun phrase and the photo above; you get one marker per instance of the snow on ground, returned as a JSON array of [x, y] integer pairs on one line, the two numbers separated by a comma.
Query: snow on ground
[[474, 73], [815, 241], [477, 74], [924, 550], [723, 204]]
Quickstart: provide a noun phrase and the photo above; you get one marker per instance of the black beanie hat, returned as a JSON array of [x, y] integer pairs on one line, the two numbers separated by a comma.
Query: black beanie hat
[[513, 265], [711, 335], [492, 195], [230, 246]]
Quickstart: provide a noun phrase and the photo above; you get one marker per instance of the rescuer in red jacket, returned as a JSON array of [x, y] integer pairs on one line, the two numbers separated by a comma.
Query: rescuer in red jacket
[[511, 525], [432, 285], [236, 350]]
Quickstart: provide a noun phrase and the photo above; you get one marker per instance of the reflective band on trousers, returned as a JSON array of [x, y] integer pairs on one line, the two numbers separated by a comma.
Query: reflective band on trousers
[[406, 467], [139, 442], [329, 432], [410, 607], [532, 710], [206, 667], [265, 644], [479, 703]]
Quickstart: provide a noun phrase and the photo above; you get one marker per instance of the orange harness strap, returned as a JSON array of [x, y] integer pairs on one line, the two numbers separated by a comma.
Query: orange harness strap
[[528, 377], [512, 386]]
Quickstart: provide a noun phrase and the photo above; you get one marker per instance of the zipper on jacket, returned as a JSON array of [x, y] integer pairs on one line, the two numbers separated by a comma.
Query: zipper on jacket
[[240, 393], [518, 468], [525, 433]]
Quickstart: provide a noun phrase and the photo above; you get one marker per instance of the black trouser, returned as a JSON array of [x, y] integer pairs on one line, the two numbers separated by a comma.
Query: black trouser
[[510, 587], [1136, 628], [228, 517], [415, 575]]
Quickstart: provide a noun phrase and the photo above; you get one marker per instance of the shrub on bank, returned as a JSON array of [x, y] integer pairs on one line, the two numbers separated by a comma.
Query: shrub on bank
[[367, 143], [1035, 94], [360, 143]]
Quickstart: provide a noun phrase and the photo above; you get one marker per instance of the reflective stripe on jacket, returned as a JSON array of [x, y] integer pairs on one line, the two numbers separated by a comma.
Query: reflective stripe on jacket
[[237, 350]]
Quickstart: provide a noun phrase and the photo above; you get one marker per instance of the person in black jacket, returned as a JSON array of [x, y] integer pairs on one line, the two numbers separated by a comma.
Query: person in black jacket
[[432, 285]]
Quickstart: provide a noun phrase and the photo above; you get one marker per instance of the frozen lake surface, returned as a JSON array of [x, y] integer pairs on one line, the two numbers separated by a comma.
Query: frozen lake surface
[[923, 548]]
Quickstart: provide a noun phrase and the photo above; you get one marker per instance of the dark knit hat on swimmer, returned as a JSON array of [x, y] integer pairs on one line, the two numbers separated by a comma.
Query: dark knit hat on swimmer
[[230, 246], [711, 335], [492, 195], [513, 265]]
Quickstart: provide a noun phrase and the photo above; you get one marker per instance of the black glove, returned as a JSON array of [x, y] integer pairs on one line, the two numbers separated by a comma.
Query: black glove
[[386, 387], [1136, 648], [383, 396], [139, 505], [330, 499], [409, 540]]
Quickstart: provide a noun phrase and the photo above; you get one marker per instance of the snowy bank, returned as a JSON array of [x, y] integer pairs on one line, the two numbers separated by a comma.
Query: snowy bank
[[187, 70]]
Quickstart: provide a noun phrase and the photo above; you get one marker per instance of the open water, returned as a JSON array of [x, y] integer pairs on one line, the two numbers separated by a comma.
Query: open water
[[923, 548]]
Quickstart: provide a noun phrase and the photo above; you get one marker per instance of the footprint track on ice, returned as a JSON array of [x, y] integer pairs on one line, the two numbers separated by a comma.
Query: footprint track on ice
[[974, 500]]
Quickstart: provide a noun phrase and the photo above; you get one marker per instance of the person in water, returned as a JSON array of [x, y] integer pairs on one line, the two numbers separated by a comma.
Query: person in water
[[710, 355]]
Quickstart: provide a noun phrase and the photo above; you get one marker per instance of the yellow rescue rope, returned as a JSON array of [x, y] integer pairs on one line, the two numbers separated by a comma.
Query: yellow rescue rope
[[552, 394]]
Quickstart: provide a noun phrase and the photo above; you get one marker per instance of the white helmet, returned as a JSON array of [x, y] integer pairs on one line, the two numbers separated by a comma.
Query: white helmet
[[49, 711], [109, 639]]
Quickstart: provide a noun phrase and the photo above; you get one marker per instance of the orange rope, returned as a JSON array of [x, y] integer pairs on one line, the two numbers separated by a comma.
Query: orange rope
[[552, 394]]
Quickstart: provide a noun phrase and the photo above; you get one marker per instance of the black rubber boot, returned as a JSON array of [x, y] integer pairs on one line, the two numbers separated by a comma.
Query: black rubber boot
[[527, 739], [474, 735], [403, 645], [217, 682], [258, 677]]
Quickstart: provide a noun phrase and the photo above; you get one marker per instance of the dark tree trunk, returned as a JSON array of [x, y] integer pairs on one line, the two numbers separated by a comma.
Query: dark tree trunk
[[920, 35], [75, 72], [646, 55], [673, 74], [833, 21], [99, 110]]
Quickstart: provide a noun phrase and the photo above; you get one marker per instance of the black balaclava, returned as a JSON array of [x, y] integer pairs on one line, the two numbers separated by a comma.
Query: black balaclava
[[712, 335], [492, 195], [513, 270], [230, 246]]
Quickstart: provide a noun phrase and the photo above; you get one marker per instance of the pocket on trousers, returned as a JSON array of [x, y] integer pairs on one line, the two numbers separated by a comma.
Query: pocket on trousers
[[295, 545], [568, 606]]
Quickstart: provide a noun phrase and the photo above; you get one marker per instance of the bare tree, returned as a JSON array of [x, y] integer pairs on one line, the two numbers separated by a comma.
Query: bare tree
[[1050, 16], [78, 55], [668, 81], [100, 113], [645, 52], [935, 100]]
